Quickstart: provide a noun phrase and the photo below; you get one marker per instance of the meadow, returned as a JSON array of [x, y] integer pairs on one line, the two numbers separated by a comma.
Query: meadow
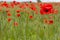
[[24, 21]]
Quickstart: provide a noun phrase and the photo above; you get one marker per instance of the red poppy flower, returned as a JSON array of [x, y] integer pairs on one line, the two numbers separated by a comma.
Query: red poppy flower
[[9, 19], [26, 4], [50, 21], [46, 9], [33, 7], [17, 11], [8, 14], [5, 4], [12, 5], [40, 5], [22, 6], [15, 24], [30, 17], [18, 14], [14, 2]]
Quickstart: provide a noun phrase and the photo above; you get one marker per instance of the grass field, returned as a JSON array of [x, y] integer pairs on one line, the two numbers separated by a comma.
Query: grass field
[[27, 24]]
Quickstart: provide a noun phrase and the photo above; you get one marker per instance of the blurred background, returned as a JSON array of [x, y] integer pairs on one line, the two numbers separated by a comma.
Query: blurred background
[[33, 0]]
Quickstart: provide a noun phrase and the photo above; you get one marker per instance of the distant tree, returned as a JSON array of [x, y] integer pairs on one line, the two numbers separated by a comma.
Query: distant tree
[[38, 1]]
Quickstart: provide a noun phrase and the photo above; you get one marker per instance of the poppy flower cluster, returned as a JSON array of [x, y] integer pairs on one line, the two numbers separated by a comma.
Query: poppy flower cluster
[[48, 21], [45, 8], [33, 7], [5, 4]]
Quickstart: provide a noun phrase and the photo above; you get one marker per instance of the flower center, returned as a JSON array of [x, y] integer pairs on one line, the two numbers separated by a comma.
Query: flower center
[[46, 10]]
